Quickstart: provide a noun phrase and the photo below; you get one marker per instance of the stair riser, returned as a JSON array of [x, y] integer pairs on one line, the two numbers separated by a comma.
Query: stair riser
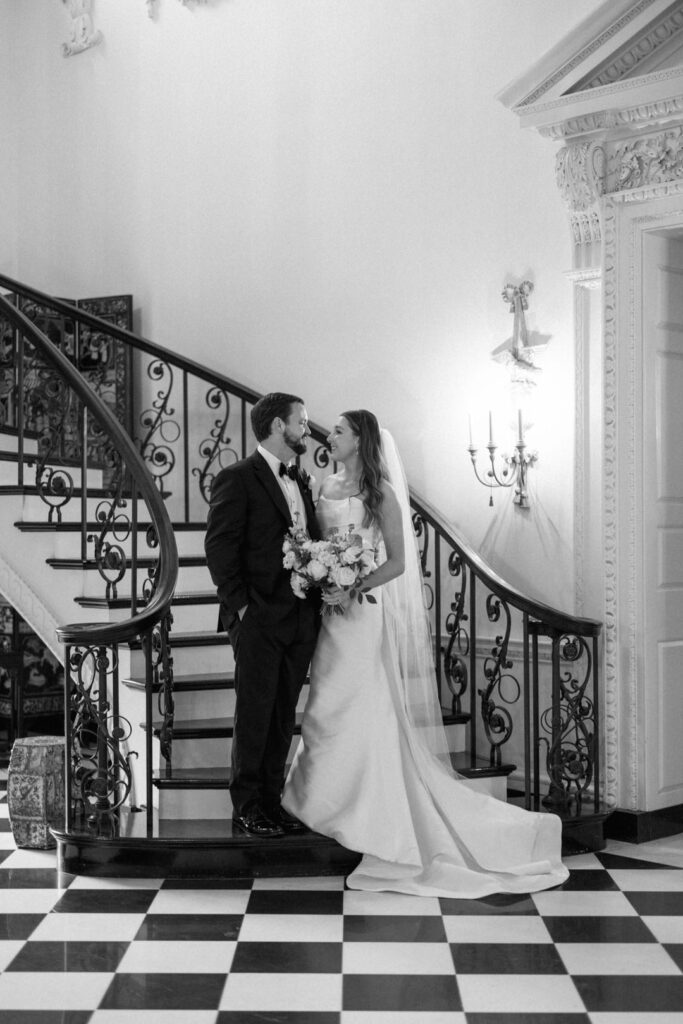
[[212, 752], [204, 803], [190, 578], [10, 443], [201, 618], [67, 543]]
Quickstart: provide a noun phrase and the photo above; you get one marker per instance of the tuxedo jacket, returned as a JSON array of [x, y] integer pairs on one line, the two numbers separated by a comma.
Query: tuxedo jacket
[[246, 525]]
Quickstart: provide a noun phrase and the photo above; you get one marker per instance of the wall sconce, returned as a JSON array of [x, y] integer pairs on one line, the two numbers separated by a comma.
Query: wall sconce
[[509, 470]]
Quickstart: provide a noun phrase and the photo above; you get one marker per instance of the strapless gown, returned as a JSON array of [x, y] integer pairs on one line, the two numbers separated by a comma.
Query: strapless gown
[[359, 777]]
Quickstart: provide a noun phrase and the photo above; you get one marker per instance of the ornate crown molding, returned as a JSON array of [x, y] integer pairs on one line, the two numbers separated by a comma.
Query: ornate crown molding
[[586, 52], [608, 120], [646, 46]]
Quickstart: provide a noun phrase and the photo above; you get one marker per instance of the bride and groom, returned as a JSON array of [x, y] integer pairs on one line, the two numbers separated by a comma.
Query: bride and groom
[[372, 769]]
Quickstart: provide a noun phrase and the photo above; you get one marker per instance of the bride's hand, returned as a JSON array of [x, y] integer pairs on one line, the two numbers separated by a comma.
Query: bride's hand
[[337, 595]]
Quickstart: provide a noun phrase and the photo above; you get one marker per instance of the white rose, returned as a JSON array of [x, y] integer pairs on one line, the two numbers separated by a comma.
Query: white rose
[[316, 570], [344, 577], [367, 559], [351, 555], [298, 585], [289, 561]]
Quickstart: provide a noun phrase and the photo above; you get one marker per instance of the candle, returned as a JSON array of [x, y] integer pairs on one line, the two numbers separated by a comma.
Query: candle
[[519, 421], [490, 428]]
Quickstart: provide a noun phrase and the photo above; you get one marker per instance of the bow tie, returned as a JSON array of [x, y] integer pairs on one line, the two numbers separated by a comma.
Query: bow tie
[[289, 471]]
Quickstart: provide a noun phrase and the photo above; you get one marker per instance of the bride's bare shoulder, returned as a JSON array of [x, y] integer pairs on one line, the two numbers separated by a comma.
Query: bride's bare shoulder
[[330, 486]]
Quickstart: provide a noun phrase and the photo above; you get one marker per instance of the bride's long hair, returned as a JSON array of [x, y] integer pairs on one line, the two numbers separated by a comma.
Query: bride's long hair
[[373, 468]]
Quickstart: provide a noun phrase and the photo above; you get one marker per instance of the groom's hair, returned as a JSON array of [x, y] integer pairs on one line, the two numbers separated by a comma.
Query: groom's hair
[[276, 405]]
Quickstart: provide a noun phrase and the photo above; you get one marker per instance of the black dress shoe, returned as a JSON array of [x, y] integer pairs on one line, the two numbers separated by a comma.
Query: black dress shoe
[[286, 820], [254, 822]]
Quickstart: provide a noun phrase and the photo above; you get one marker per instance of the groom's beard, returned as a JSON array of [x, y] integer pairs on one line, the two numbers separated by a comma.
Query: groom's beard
[[297, 444]]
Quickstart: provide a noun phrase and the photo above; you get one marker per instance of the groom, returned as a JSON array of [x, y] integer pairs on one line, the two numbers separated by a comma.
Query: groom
[[253, 504]]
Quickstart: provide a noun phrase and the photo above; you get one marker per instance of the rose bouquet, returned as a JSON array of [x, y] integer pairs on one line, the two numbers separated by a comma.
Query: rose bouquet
[[342, 560]]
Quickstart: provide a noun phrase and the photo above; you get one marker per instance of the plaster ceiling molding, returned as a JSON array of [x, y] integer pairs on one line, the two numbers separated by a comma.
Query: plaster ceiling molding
[[83, 34], [152, 5]]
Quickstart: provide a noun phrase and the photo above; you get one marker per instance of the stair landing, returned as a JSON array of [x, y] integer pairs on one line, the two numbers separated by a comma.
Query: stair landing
[[198, 849]]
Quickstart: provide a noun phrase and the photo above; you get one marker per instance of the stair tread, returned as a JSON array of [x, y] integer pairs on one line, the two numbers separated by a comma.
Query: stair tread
[[217, 726], [74, 526], [191, 597], [199, 638], [145, 562], [199, 681]]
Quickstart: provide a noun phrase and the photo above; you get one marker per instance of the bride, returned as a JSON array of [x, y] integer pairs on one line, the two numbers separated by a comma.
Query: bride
[[372, 769]]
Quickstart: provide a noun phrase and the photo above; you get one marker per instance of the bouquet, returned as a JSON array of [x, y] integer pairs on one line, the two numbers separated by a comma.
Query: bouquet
[[342, 560]]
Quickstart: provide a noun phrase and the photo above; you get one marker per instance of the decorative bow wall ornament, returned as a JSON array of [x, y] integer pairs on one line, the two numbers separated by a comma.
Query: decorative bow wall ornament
[[519, 352], [152, 5], [83, 35]]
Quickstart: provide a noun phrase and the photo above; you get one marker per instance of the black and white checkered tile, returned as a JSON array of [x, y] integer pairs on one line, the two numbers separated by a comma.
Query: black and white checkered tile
[[605, 948]]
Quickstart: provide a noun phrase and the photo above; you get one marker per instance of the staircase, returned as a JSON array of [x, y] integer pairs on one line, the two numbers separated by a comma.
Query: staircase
[[155, 796]]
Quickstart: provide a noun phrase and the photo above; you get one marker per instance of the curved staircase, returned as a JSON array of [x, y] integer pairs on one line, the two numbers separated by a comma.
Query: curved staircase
[[166, 691]]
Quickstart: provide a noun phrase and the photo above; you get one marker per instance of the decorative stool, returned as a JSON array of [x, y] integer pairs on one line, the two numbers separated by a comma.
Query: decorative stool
[[35, 790]]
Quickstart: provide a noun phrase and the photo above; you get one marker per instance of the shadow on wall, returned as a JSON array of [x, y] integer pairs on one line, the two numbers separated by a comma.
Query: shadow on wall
[[527, 550]]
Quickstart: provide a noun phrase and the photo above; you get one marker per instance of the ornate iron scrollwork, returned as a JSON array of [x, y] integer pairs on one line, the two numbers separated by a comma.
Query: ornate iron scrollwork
[[496, 718], [114, 531], [101, 776], [162, 430], [158, 651], [570, 750], [458, 647], [50, 411], [216, 447]]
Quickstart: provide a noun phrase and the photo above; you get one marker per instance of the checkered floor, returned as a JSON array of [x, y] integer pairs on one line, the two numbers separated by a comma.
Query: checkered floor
[[605, 948]]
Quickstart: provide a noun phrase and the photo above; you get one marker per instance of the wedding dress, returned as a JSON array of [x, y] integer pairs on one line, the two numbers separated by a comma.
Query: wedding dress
[[365, 775]]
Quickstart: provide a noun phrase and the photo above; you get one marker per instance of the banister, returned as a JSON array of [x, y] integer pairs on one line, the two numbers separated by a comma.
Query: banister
[[115, 632], [554, 618]]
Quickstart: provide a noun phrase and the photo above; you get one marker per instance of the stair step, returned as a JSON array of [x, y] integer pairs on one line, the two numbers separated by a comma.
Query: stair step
[[205, 728], [77, 492], [198, 848], [190, 683], [200, 597], [193, 639], [222, 728], [38, 526], [145, 562], [219, 776]]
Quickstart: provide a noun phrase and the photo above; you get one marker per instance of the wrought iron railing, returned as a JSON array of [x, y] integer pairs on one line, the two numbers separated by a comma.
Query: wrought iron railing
[[525, 675], [65, 432]]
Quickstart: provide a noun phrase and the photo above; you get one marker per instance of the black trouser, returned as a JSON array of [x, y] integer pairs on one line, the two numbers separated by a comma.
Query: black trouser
[[271, 665]]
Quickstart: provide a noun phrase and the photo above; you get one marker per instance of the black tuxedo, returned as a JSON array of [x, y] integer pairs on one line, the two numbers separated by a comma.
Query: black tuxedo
[[273, 642]]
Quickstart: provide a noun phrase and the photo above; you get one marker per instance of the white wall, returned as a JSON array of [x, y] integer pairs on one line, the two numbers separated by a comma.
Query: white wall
[[316, 195]]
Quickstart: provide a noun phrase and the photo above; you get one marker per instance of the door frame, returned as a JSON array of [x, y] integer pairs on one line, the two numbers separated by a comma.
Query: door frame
[[627, 733]]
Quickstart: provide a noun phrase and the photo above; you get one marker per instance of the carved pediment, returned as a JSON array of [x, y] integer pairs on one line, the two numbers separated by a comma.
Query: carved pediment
[[622, 67]]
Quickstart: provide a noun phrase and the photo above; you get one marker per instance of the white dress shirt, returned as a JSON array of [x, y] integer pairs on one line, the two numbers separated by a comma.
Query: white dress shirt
[[289, 488]]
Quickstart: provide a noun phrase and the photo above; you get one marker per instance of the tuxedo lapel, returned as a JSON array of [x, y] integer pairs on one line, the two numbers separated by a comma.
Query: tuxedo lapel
[[266, 478]]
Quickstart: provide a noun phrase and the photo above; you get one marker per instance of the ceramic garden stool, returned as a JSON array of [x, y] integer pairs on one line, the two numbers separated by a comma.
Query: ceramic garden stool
[[35, 790]]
